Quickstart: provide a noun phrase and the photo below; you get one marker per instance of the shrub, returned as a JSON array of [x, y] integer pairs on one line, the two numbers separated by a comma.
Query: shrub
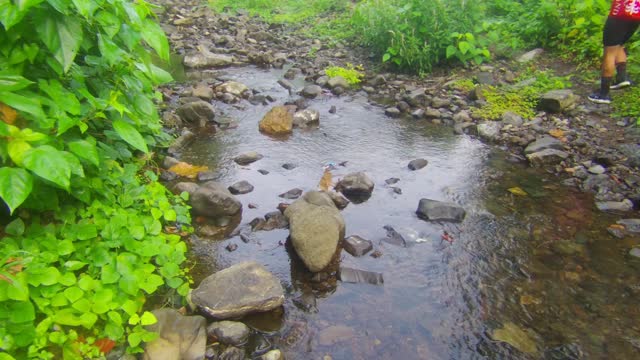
[[353, 74], [87, 239]]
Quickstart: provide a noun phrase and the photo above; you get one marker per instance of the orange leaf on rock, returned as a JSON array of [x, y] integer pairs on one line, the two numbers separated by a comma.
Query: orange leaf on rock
[[7, 114], [556, 133], [105, 345], [187, 170], [326, 181], [517, 191]]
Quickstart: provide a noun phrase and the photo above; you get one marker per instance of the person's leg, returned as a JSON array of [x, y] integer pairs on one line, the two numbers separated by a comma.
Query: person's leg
[[622, 79], [613, 37]]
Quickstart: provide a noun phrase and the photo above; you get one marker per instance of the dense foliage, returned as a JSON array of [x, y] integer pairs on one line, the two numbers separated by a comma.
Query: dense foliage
[[91, 230]]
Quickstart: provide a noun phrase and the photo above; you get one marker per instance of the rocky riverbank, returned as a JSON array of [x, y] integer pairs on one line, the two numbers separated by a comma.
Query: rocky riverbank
[[578, 144]]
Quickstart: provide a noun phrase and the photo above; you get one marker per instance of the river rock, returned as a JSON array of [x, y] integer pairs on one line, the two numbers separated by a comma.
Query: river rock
[[433, 210], [635, 252], [357, 246], [233, 87], [238, 290], [556, 101], [232, 353], [202, 91], [544, 143], [418, 113], [393, 112], [272, 355], [316, 226], [214, 200], [306, 118], [311, 91], [511, 118], [530, 56], [632, 153], [287, 84], [277, 121], [206, 59], [291, 194], [431, 113], [546, 157], [418, 164], [356, 276], [247, 158], [489, 130], [229, 332], [340, 201], [335, 334], [624, 205], [241, 187], [275, 220], [289, 166], [416, 97], [440, 103], [631, 225], [337, 81], [356, 186], [180, 337], [197, 113]]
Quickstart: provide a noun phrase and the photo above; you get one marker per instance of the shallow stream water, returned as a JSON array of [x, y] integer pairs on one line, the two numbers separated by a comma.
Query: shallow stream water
[[542, 263]]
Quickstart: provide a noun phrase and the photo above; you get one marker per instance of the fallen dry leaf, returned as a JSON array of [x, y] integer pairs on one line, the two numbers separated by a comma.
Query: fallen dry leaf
[[326, 181], [616, 227], [556, 133], [187, 170], [529, 300], [517, 191], [7, 114]]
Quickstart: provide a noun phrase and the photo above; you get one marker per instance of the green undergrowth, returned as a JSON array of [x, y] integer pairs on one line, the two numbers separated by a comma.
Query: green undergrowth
[[625, 103], [521, 98], [87, 231], [352, 74]]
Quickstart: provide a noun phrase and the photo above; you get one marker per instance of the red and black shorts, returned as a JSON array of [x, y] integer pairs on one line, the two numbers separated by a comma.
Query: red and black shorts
[[618, 31]]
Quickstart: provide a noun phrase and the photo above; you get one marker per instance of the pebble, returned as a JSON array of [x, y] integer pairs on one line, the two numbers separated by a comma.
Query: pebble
[[597, 169]]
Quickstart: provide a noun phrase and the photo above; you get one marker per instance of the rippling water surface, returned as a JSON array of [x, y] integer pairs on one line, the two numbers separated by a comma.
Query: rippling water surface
[[543, 262]]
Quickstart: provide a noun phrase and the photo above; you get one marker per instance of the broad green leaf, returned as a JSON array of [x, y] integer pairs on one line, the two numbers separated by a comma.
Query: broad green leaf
[[88, 319], [82, 305], [18, 288], [109, 22], [50, 164], [114, 331], [129, 134], [15, 186], [153, 35], [62, 97], [134, 319], [115, 317], [10, 82], [148, 318], [69, 278], [134, 339], [386, 57], [86, 8], [74, 265], [159, 75], [47, 276], [17, 148], [85, 150], [65, 247], [109, 50], [130, 307], [29, 105], [16, 227], [73, 293], [74, 163], [151, 283], [62, 36], [464, 47], [451, 50], [21, 312], [109, 275]]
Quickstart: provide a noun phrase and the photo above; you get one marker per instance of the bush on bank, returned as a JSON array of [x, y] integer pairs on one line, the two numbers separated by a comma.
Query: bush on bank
[[89, 232]]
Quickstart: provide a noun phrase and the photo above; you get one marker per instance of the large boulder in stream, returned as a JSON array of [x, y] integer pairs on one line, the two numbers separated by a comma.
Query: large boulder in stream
[[316, 226], [237, 291], [434, 210], [357, 187], [181, 337], [197, 112], [213, 200], [278, 121]]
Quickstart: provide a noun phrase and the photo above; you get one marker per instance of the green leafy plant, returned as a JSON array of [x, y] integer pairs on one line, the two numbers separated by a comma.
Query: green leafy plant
[[353, 74], [625, 104], [466, 48], [92, 231]]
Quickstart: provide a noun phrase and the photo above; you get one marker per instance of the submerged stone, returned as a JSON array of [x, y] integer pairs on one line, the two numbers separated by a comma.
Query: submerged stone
[[360, 276], [434, 210]]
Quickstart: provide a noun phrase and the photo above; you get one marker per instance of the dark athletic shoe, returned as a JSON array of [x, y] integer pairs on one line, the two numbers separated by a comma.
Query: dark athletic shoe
[[599, 98], [622, 84]]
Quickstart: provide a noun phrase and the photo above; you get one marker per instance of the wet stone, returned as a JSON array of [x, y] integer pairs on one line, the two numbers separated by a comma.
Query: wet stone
[[376, 254], [356, 276], [545, 142], [241, 187], [631, 225], [417, 164], [393, 112], [624, 205], [291, 194], [247, 158], [546, 157], [263, 172], [333, 109], [272, 355], [597, 170], [289, 166], [311, 91], [232, 353], [357, 246], [391, 181], [231, 247], [396, 190], [433, 210], [635, 252], [229, 332]]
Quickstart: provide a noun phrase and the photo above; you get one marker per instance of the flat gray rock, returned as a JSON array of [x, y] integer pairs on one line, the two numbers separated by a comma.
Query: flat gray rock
[[229, 332], [180, 337], [622, 206], [556, 101], [357, 187], [433, 210], [418, 164], [546, 157], [241, 187], [544, 143], [357, 246], [631, 225], [239, 290]]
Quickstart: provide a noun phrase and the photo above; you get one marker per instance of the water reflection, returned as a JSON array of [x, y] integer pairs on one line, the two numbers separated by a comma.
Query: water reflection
[[542, 262]]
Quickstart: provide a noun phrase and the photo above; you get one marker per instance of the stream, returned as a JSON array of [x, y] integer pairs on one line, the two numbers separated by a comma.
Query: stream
[[541, 266]]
